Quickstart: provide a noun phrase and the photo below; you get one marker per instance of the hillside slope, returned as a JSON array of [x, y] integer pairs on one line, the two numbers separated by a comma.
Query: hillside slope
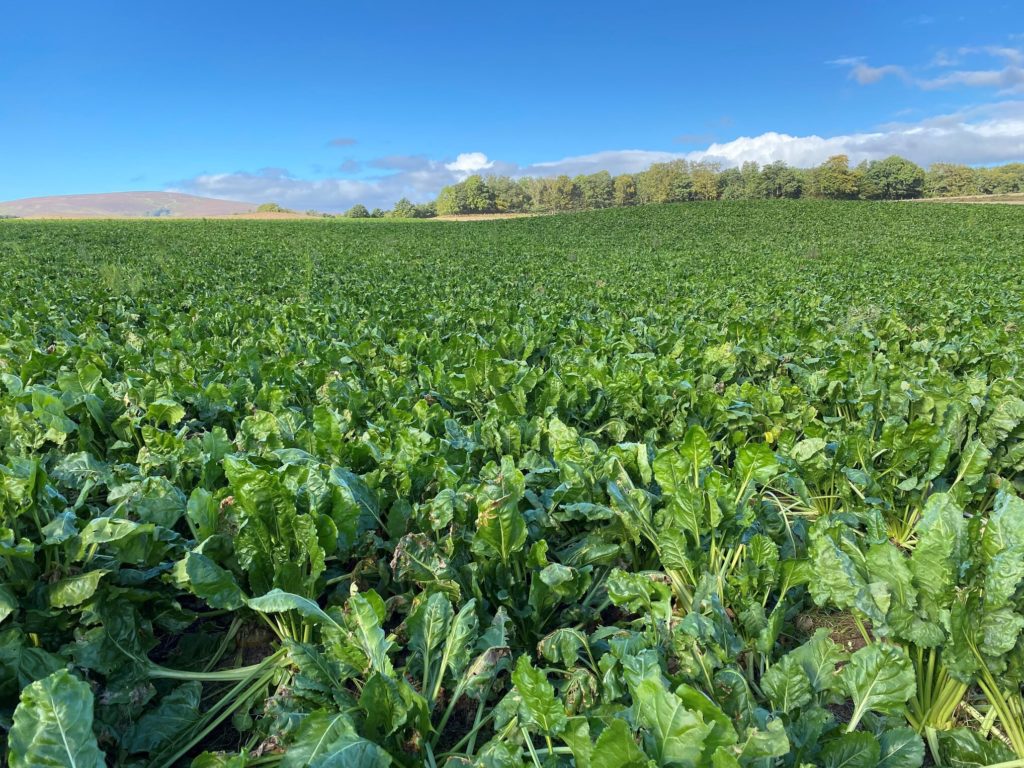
[[123, 205]]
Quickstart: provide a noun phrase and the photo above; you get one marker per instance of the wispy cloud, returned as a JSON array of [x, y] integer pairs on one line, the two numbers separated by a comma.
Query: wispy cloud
[[1005, 79], [342, 141]]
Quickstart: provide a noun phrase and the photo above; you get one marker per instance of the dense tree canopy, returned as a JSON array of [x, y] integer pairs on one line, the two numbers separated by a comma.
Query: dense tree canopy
[[893, 178]]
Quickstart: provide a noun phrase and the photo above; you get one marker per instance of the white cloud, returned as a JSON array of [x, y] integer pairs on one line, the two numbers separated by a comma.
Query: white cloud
[[989, 134], [469, 163]]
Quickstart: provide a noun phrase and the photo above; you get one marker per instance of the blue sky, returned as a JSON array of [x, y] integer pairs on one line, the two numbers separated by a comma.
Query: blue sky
[[322, 104]]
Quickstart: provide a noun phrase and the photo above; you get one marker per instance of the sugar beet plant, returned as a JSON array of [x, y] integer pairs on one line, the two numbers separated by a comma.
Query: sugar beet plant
[[723, 485]]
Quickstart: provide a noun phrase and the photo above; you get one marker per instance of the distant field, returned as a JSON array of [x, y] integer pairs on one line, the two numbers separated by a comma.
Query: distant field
[[714, 485], [1012, 198]]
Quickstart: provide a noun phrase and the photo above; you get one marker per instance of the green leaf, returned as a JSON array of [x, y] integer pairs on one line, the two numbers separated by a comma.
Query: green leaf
[[8, 602], [215, 585], [177, 711], [75, 590], [459, 645], [675, 734], [901, 748], [428, 626], [616, 748], [500, 527], [1003, 549], [218, 760], [539, 708], [385, 709], [879, 678], [328, 740], [851, 750], [818, 658], [369, 635], [973, 462], [787, 684], [277, 601], [53, 725], [165, 411], [203, 512], [755, 463], [939, 551], [966, 748]]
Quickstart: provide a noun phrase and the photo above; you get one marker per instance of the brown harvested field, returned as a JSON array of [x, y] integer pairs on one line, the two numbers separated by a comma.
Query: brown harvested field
[[1012, 198], [485, 216], [267, 216]]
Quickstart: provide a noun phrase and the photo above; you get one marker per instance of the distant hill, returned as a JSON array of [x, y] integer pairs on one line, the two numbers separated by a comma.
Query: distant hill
[[116, 205]]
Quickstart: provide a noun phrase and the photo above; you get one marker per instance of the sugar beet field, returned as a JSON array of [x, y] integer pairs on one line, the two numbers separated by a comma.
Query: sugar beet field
[[725, 484]]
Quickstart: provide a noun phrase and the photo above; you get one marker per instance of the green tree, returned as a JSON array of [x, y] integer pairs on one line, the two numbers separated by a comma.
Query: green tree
[[273, 208], [778, 180], [477, 197], [893, 178], [753, 181], [665, 183], [730, 182], [450, 201], [705, 181], [1000, 180], [404, 209], [950, 180], [624, 190], [834, 180], [510, 195], [596, 190], [358, 211]]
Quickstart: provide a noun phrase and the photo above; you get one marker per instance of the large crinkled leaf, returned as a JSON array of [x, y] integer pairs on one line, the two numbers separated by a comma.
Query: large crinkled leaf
[[539, 708], [901, 748], [429, 624], [879, 678], [966, 748], [8, 602], [1003, 548], [75, 590], [459, 644], [818, 658], [354, 507], [209, 581], [53, 725], [675, 735], [939, 552], [329, 740], [1007, 414], [384, 707], [755, 463], [369, 635], [787, 684], [500, 527], [851, 750], [837, 580], [276, 545], [165, 411], [616, 748], [974, 460]]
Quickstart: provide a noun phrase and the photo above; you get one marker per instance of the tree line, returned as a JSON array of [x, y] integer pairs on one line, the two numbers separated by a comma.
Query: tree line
[[894, 178]]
